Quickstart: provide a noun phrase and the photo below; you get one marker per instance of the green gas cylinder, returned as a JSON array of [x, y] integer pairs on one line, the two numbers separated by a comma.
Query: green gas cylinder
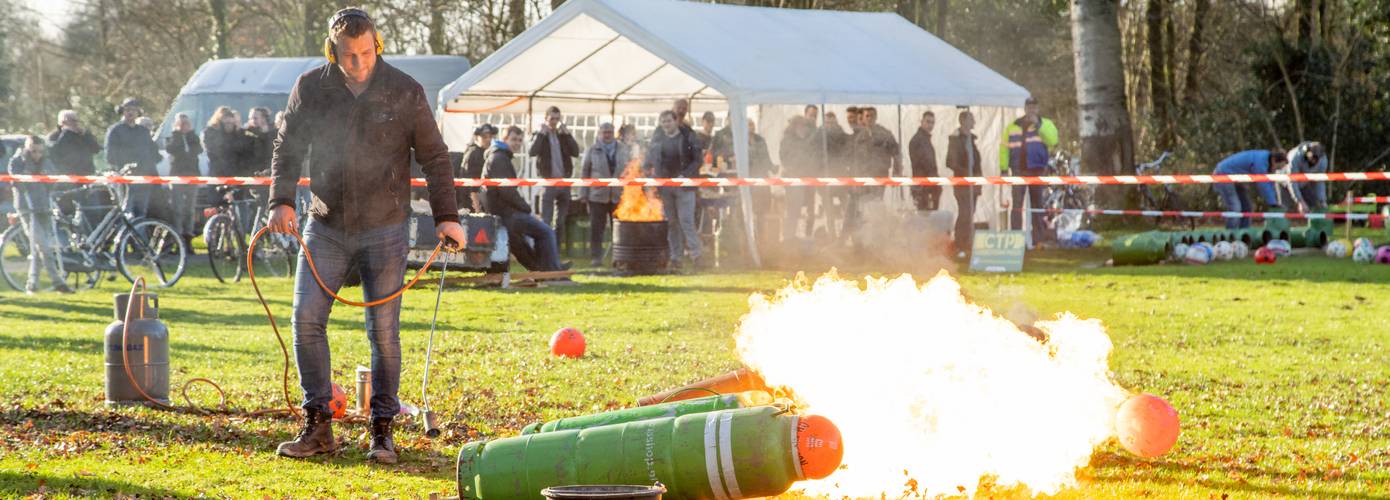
[[746, 399], [719, 455]]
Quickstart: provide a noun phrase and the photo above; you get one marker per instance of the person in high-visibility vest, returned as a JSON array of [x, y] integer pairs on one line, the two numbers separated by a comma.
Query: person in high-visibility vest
[[1025, 151]]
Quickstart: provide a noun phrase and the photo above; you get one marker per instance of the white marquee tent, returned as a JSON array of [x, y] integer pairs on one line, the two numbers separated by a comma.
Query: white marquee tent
[[630, 57]]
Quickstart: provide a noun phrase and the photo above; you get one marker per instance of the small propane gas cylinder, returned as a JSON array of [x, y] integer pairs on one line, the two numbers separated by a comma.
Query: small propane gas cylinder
[[146, 348]]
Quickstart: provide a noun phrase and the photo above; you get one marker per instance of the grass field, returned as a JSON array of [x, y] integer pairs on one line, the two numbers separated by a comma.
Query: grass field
[[1281, 374]]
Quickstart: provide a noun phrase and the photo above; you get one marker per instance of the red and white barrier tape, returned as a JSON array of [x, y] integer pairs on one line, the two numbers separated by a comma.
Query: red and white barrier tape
[[1224, 215], [759, 182], [1371, 199]]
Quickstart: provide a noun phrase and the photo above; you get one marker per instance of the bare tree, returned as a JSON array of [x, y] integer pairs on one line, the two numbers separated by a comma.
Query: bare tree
[[1107, 139]]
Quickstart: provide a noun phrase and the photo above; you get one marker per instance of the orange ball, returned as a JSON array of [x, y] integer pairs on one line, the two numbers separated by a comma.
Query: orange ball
[[339, 403], [567, 343], [818, 446], [1147, 426]]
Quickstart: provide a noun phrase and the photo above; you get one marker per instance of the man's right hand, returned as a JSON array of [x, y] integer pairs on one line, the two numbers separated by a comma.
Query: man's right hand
[[283, 220]]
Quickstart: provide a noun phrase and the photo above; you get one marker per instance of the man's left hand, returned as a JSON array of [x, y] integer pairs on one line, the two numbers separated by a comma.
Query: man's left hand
[[450, 230]]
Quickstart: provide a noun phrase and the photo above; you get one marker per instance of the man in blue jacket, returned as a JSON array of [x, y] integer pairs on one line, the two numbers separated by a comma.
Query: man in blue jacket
[[1236, 197]]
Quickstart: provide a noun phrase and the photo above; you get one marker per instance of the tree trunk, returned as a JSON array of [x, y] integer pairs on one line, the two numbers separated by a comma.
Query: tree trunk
[[315, 15], [516, 16], [1200, 9], [438, 43], [1107, 138], [1303, 16], [219, 28], [1158, 72], [942, 8]]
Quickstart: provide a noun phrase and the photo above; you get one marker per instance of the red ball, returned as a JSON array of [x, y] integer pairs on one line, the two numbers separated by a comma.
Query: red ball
[[1265, 256], [1147, 426], [568, 343], [339, 403]]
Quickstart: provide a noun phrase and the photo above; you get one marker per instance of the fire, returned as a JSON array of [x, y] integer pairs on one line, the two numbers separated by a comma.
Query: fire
[[933, 394], [637, 205]]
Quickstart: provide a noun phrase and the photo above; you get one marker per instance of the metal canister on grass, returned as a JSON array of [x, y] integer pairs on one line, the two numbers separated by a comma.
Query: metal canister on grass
[[364, 390], [145, 346], [706, 404], [727, 454]]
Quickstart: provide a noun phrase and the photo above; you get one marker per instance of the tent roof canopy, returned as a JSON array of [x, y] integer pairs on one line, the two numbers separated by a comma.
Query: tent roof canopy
[[629, 55]]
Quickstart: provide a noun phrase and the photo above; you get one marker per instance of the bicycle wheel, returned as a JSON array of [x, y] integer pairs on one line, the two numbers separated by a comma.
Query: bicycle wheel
[[225, 252], [152, 249], [14, 257], [273, 257], [84, 280]]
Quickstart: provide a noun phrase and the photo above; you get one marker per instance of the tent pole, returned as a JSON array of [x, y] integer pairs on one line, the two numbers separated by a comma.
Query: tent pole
[[824, 192], [902, 169], [738, 112]]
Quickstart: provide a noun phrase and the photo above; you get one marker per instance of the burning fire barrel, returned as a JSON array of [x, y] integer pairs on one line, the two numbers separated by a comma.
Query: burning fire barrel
[[640, 246]]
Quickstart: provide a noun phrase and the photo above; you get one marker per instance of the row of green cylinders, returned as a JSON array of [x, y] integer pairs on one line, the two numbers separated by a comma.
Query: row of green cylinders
[[1153, 247], [720, 447]]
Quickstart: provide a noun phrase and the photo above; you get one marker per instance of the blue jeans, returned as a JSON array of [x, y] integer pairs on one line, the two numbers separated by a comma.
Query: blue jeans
[[1034, 195], [555, 209], [137, 201], [43, 248], [1314, 194], [379, 254], [678, 206], [1235, 198], [540, 253]]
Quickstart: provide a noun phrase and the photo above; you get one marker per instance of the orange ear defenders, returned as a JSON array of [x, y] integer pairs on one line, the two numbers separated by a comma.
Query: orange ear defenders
[[330, 49]]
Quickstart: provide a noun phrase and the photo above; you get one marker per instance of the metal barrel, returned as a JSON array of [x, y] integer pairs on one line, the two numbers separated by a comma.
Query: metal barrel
[[640, 246], [1275, 229], [738, 380], [722, 455], [1141, 249], [745, 399]]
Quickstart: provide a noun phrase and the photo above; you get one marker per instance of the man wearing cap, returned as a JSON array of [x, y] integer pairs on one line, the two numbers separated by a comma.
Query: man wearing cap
[[1308, 157], [1026, 150], [474, 158], [129, 143], [358, 120]]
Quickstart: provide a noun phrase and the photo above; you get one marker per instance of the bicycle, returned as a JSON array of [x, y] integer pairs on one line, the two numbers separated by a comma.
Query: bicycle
[[1159, 197], [227, 242], [135, 247], [1066, 205]]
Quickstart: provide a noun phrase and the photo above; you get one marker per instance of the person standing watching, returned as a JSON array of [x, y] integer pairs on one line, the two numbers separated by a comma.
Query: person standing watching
[[260, 145], [531, 240], [129, 143], [963, 159], [554, 149], [227, 146], [607, 158], [1026, 152], [1236, 197], [1308, 157], [184, 147], [923, 157], [358, 120], [36, 214], [225, 143], [72, 148], [675, 152], [471, 166], [801, 155]]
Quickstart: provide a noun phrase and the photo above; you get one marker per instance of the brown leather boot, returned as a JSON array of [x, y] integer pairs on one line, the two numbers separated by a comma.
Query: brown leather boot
[[383, 446], [315, 438]]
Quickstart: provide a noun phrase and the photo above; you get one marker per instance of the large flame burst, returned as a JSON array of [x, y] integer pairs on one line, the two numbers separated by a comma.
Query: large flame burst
[[637, 205], [932, 392]]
